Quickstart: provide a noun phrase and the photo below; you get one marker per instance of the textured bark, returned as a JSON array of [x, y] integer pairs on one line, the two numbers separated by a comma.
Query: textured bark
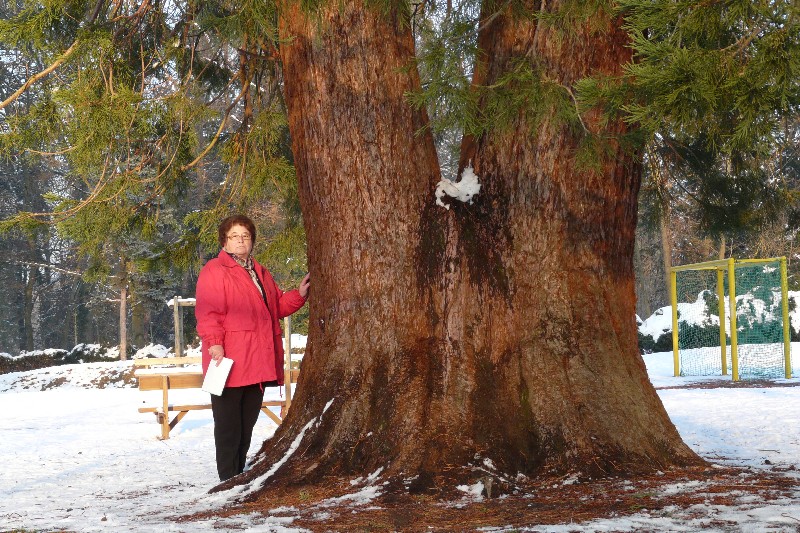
[[365, 184], [500, 330], [139, 319], [547, 248]]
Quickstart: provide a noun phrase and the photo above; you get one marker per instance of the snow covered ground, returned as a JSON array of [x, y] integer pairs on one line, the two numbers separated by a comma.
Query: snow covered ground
[[79, 458]]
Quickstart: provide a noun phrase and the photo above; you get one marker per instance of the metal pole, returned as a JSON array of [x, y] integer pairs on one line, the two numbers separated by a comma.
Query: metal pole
[[722, 335], [734, 334], [787, 339], [673, 296]]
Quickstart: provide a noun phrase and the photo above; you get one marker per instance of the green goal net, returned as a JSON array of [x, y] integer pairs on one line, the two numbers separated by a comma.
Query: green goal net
[[731, 317]]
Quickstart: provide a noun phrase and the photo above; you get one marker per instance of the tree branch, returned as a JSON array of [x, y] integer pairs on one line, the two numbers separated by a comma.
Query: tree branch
[[48, 266], [577, 107], [36, 77], [220, 129]]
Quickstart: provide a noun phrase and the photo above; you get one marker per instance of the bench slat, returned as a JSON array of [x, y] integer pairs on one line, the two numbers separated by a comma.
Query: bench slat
[[189, 380], [197, 407], [192, 380], [179, 378], [172, 361], [175, 408], [159, 361]]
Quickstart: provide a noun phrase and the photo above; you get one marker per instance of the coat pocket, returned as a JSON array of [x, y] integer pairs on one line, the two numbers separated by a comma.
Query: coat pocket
[[240, 343]]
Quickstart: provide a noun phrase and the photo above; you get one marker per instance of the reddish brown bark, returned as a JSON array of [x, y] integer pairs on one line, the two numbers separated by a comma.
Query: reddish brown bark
[[365, 181], [502, 329], [549, 245]]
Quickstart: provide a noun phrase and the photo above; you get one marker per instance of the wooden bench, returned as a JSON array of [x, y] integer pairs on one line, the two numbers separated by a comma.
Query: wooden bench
[[169, 373]]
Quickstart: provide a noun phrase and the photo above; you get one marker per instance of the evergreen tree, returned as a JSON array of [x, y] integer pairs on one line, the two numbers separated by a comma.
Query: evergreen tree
[[515, 302], [144, 115], [716, 91]]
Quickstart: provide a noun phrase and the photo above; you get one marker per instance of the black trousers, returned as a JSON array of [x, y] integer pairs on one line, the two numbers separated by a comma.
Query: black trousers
[[235, 413]]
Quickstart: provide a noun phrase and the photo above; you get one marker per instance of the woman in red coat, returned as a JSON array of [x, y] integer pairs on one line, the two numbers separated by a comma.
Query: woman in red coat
[[238, 311]]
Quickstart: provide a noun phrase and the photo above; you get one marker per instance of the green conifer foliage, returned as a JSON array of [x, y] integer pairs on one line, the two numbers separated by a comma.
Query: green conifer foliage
[[713, 86], [155, 102], [158, 119]]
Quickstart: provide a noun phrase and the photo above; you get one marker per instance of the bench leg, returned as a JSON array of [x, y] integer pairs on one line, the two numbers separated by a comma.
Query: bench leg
[[165, 426], [271, 415], [177, 419]]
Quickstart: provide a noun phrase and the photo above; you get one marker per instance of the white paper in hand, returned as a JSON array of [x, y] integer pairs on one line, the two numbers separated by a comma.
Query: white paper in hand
[[216, 376]]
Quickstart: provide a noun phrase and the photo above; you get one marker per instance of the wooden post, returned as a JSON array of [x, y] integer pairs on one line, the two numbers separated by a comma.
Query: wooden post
[[180, 325], [287, 363], [176, 317], [165, 406]]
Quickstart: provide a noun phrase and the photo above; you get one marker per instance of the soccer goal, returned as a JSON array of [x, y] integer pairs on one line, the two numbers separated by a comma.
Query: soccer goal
[[731, 316]]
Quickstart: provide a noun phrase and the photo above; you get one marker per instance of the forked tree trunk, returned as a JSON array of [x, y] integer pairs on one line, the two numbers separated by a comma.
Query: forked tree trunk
[[501, 330]]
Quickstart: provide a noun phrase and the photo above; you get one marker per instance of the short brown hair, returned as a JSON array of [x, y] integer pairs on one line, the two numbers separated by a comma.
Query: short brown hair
[[235, 220]]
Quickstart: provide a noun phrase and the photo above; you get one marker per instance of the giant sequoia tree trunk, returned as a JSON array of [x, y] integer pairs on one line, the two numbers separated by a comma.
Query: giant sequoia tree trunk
[[500, 330], [547, 252]]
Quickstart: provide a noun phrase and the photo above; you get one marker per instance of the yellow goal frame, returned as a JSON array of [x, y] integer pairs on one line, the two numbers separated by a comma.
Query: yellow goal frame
[[728, 267]]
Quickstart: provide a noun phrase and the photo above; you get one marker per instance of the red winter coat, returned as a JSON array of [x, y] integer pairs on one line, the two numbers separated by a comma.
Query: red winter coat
[[230, 311]]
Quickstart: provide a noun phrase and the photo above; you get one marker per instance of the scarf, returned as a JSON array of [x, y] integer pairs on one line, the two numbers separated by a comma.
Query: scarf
[[248, 266]]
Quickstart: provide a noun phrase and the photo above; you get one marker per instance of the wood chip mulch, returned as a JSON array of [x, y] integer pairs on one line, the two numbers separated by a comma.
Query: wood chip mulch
[[554, 501], [741, 384]]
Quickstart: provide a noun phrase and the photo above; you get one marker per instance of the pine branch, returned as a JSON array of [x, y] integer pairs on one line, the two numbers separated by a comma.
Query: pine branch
[[222, 124], [745, 41], [57, 216], [52, 267], [493, 16], [36, 77], [577, 107], [58, 152]]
